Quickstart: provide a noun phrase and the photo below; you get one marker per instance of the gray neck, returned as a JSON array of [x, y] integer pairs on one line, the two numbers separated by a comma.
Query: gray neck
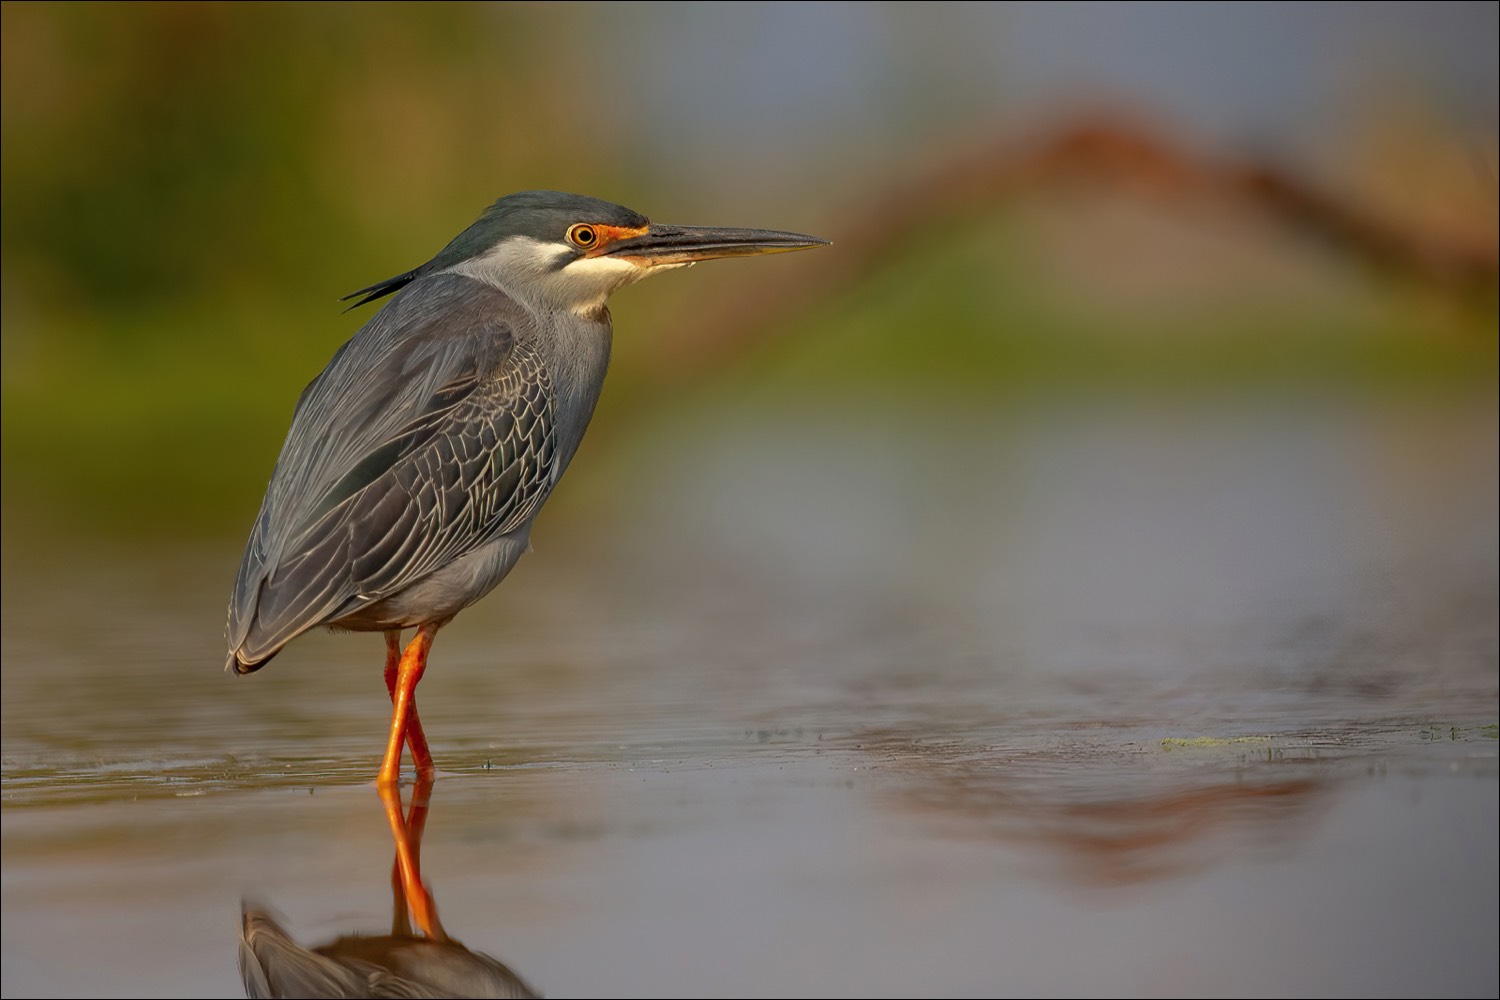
[[577, 353], [572, 331]]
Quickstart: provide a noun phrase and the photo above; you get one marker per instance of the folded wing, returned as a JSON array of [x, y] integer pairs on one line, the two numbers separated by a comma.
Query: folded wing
[[428, 435]]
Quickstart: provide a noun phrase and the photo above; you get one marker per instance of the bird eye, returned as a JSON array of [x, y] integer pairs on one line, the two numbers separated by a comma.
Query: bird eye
[[582, 236]]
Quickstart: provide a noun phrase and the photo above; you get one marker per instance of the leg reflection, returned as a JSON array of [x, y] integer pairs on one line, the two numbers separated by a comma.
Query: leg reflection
[[411, 898]]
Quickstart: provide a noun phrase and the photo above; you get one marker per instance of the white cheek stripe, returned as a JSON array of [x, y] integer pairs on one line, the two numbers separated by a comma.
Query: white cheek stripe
[[528, 269], [603, 268]]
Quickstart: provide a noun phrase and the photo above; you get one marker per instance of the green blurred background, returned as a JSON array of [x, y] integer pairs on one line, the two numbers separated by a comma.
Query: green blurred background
[[188, 189]]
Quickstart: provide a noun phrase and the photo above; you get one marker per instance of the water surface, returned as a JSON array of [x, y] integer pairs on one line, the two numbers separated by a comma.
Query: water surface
[[1129, 697]]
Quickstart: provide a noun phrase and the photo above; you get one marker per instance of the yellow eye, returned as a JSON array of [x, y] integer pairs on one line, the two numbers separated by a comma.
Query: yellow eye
[[582, 236]]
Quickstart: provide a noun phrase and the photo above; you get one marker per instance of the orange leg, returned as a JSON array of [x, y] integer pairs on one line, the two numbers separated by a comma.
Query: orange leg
[[412, 899], [392, 659], [416, 739], [405, 726]]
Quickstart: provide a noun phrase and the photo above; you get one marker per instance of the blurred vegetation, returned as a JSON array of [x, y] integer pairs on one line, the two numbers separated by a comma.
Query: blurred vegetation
[[187, 188]]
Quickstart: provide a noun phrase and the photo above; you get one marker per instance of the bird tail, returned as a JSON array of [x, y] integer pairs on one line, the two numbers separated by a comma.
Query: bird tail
[[238, 664]]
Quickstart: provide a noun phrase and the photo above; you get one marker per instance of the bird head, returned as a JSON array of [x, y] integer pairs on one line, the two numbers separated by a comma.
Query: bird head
[[570, 252]]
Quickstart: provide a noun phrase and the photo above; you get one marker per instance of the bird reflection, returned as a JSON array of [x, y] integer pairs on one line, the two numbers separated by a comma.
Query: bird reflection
[[400, 964]]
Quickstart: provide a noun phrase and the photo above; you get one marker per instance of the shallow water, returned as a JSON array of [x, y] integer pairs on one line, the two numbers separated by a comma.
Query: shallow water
[[1128, 697]]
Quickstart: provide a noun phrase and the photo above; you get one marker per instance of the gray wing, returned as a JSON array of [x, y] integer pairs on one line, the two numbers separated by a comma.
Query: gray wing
[[429, 434]]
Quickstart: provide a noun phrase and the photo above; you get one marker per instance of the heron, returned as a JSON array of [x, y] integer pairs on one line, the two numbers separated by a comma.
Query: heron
[[418, 459]]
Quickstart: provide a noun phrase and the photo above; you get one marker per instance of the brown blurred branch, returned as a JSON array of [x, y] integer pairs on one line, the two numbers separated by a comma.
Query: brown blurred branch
[[1101, 152]]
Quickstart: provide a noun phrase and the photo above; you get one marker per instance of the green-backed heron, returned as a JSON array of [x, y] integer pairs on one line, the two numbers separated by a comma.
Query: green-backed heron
[[418, 459]]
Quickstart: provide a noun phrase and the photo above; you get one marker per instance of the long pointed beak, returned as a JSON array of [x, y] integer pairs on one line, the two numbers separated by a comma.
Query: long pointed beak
[[686, 244]]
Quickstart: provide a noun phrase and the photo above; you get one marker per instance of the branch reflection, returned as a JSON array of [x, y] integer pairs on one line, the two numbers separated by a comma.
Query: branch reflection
[[1131, 826]]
